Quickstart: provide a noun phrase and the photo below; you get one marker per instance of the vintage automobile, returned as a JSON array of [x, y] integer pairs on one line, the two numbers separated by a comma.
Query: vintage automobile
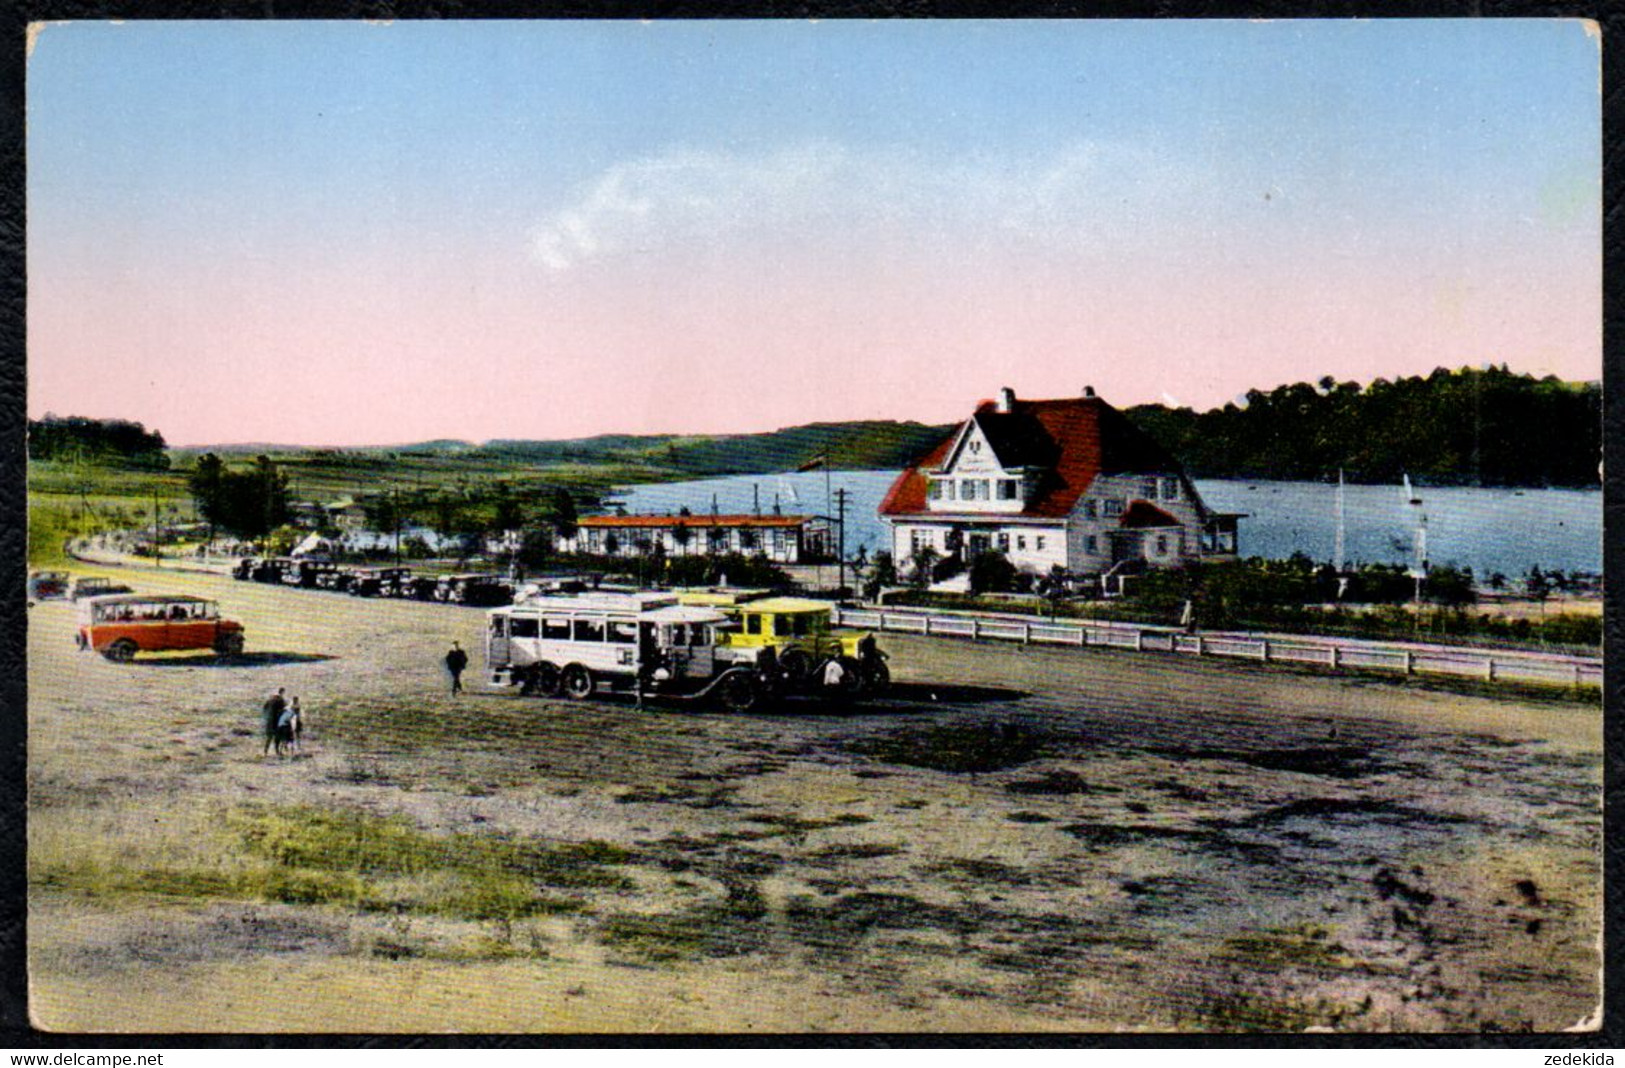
[[483, 591], [798, 630], [44, 585], [124, 624], [306, 574], [97, 586], [336, 578], [646, 643], [379, 581], [418, 588], [272, 569]]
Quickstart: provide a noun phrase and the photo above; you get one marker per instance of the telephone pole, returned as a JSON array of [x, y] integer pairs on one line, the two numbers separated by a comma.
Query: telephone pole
[[840, 528]]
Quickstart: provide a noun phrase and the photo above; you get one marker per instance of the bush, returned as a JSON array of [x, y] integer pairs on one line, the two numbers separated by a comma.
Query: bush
[[991, 572]]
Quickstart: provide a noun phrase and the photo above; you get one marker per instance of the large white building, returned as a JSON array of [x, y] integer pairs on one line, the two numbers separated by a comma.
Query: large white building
[[783, 539], [1067, 482]]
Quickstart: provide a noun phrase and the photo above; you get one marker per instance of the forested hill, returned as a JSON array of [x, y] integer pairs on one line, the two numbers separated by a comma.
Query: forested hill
[[1468, 427], [102, 441], [873, 445]]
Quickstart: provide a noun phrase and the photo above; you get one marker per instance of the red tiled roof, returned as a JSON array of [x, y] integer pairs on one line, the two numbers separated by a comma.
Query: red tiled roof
[[1146, 514], [696, 521], [1089, 438]]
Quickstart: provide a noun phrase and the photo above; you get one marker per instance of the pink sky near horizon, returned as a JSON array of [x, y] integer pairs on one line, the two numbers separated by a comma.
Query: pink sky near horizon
[[354, 353], [337, 234]]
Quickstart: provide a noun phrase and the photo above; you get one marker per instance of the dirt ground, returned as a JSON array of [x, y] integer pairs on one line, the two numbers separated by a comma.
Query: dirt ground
[[1016, 839]]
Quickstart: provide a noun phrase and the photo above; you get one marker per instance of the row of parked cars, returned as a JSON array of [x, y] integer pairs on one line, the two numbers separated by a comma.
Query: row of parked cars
[[481, 590], [53, 585]]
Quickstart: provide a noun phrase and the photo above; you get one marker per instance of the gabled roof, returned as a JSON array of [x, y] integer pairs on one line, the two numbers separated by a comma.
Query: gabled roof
[[1017, 439], [1075, 439], [1142, 514]]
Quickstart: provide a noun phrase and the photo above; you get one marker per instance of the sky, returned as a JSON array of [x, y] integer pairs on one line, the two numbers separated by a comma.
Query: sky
[[349, 233]]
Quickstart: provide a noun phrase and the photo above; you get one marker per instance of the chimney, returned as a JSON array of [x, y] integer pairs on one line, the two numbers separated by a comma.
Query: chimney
[[1088, 391], [1007, 400]]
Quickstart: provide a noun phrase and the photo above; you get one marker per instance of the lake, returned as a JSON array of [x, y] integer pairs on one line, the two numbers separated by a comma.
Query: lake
[[1486, 529]]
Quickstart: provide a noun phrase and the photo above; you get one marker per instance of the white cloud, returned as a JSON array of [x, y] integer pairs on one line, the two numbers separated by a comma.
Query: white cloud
[[1083, 192]]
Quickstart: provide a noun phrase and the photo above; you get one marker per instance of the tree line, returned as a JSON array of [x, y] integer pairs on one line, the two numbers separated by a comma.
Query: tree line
[[1486, 427], [104, 441]]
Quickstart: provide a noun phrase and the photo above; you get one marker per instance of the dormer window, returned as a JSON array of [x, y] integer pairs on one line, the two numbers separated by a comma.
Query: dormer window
[[975, 446]]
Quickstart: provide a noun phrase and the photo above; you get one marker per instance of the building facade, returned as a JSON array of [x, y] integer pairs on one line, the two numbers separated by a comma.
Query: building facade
[[782, 539], [1069, 483]]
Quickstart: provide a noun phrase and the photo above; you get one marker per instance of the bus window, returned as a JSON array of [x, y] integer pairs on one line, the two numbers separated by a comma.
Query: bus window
[[679, 634], [589, 630], [781, 626], [753, 624], [556, 630], [622, 632], [499, 626], [521, 627], [698, 634]]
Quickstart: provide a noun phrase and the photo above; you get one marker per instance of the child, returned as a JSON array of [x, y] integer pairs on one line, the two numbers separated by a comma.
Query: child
[[290, 729]]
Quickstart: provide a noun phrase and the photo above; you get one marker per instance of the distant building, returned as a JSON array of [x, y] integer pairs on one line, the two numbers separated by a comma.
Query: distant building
[[1067, 482], [783, 539], [342, 514]]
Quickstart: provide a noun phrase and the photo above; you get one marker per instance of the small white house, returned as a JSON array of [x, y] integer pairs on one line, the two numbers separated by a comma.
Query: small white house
[[1068, 482]]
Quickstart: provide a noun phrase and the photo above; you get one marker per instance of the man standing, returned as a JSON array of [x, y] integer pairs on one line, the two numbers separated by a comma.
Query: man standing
[[275, 705], [456, 661]]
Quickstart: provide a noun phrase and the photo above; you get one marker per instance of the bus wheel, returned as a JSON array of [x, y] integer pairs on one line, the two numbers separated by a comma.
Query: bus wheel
[[229, 645], [739, 693], [122, 651], [578, 682], [877, 676], [545, 680], [795, 665]]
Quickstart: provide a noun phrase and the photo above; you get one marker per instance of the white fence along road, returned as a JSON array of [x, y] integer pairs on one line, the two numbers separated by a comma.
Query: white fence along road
[[1335, 653]]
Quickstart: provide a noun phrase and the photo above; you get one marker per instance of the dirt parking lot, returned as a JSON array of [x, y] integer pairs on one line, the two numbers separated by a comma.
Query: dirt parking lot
[[1015, 839]]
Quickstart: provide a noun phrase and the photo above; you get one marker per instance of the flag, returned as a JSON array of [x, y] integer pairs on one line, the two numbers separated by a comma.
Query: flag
[[821, 460]]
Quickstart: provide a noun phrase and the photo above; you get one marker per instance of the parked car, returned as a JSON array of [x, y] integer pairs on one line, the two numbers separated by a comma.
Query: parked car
[[307, 574], [44, 585], [122, 625], [481, 590], [378, 581], [97, 586]]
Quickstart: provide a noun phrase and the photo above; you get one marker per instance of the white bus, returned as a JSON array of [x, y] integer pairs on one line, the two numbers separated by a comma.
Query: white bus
[[574, 645]]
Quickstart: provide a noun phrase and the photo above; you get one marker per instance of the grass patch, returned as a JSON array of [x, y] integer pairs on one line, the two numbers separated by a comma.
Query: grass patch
[[1302, 946], [1254, 1012], [958, 748], [349, 840], [344, 857]]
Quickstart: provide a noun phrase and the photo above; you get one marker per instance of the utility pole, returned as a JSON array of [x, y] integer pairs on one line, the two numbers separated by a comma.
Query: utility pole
[[157, 553], [840, 527]]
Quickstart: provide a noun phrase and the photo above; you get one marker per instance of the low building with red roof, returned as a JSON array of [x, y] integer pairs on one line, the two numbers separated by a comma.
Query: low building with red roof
[[783, 539], [1070, 483]]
